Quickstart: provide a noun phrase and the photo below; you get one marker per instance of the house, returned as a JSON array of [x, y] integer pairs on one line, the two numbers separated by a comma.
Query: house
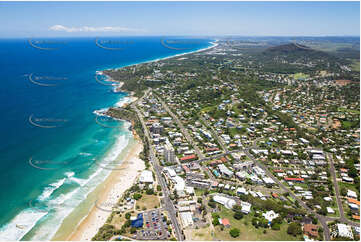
[[246, 207], [225, 222], [242, 191], [330, 210], [351, 194], [270, 215], [311, 230]]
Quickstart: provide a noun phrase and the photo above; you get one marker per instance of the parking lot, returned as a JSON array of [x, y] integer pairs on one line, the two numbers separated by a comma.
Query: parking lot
[[154, 226]]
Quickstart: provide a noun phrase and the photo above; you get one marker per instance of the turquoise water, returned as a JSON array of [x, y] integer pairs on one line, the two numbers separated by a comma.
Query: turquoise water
[[52, 151]]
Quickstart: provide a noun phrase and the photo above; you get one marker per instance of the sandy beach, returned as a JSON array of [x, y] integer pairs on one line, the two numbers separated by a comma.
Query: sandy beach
[[112, 189]]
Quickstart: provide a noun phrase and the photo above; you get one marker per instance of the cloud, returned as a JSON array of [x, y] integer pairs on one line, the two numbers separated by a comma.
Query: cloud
[[63, 28]]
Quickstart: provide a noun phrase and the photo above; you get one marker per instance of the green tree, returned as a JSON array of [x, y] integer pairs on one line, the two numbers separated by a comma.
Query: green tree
[[294, 229], [238, 215], [234, 232]]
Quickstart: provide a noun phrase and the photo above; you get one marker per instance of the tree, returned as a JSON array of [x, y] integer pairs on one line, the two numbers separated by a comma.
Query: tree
[[294, 229], [137, 196], [234, 232], [133, 230], [150, 192], [127, 215], [238, 215]]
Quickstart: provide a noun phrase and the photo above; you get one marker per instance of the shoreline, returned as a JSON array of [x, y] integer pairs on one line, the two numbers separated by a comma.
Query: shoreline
[[113, 189], [214, 44], [119, 180]]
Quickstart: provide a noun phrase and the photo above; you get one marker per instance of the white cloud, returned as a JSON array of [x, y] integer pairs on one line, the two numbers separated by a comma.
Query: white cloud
[[59, 27]]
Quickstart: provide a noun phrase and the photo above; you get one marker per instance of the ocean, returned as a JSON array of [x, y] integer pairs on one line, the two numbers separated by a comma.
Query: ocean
[[52, 151]]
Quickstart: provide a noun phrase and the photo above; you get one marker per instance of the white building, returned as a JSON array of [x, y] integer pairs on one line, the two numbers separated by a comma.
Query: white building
[[246, 207], [224, 170], [186, 218], [344, 230], [270, 215], [146, 177], [330, 210], [351, 194], [169, 154], [225, 201]]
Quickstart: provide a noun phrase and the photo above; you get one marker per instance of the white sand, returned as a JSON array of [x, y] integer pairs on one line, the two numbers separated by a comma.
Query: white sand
[[115, 185]]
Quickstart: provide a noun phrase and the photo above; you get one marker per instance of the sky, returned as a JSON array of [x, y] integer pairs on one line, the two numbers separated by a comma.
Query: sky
[[68, 19]]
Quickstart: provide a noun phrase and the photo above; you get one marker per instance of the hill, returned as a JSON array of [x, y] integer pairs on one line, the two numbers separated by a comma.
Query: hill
[[288, 48]]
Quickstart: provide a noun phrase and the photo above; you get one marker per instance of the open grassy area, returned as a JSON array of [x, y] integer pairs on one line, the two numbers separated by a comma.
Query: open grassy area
[[249, 232], [356, 66], [148, 202], [201, 234], [300, 76], [354, 111]]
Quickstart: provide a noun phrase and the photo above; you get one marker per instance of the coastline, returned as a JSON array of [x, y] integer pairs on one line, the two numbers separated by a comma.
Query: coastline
[[119, 180], [112, 189], [214, 44]]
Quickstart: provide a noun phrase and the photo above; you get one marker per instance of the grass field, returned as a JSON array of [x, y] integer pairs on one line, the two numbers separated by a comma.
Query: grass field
[[148, 201], [300, 76], [249, 232], [201, 234]]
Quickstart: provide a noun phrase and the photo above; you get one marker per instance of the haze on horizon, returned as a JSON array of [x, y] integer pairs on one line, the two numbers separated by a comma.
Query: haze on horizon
[[77, 19]]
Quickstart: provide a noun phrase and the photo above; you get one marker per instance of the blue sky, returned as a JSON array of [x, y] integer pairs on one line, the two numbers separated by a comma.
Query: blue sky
[[40, 19]]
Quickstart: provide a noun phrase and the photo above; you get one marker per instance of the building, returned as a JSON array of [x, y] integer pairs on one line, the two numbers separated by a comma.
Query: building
[[344, 231], [225, 222], [246, 207], [169, 154], [225, 171], [186, 218], [137, 222], [225, 201], [311, 230], [146, 177], [188, 158], [270, 215], [157, 128]]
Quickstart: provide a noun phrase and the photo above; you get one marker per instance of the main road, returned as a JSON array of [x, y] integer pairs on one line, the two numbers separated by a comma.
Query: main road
[[158, 171]]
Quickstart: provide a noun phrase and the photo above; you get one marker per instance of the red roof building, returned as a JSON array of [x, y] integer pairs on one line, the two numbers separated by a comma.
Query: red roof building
[[189, 157], [311, 230], [297, 179]]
